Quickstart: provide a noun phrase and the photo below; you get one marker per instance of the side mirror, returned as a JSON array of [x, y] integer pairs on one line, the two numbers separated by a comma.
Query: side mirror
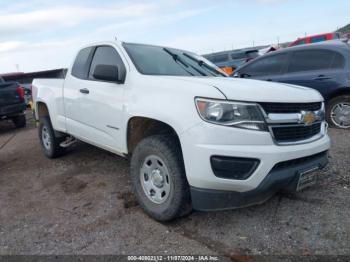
[[106, 73]]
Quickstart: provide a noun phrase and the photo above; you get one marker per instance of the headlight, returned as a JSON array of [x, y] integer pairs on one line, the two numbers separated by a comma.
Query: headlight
[[235, 114]]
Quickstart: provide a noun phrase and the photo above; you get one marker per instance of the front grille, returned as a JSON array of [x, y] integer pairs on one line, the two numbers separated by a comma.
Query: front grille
[[295, 133], [282, 108]]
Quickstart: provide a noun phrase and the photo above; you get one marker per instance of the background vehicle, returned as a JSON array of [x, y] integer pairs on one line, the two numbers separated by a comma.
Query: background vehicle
[[197, 138], [315, 39], [231, 60], [323, 66], [12, 103], [27, 93]]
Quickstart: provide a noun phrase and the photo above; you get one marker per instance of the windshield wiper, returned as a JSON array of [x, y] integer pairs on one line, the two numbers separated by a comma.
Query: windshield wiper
[[203, 64], [178, 60]]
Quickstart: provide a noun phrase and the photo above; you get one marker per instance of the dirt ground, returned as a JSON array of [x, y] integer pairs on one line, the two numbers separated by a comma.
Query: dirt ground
[[82, 204]]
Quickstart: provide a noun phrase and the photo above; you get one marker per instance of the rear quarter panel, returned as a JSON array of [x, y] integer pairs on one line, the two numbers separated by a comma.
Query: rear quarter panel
[[50, 92]]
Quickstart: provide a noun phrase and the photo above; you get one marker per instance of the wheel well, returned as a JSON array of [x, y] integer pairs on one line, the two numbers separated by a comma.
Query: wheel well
[[339, 93], [42, 110], [142, 127]]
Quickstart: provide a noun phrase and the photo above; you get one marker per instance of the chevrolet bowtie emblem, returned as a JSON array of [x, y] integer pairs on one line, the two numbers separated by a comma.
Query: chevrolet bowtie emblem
[[307, 117]]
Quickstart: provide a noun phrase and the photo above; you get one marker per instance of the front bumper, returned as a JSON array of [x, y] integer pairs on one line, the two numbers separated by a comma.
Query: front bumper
[[204, 140], [284, 176]]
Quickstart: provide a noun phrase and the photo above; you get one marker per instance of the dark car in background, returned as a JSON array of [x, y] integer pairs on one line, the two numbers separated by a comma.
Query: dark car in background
[[231, 60], [12, 103], [323, 66]]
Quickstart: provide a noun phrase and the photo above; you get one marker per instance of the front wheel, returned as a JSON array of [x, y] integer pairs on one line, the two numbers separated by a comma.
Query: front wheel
[[49, 142], [338, 112], [159, 179]]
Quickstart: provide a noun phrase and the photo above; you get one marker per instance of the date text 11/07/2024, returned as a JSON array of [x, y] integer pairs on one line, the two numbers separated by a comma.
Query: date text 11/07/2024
[[173, 258]]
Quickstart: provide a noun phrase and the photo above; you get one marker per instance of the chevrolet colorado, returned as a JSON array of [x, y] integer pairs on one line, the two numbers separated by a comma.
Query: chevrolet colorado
[[196, 138], [12, 103]]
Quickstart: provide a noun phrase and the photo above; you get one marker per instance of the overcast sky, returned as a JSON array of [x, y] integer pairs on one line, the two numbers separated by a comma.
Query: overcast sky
[[38, 34]]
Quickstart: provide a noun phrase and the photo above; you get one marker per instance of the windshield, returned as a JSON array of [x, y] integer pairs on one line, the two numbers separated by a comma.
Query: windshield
[[156, 60]]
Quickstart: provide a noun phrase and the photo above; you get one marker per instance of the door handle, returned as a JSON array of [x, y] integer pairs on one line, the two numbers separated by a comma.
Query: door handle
[[321, 77], [84, 91]]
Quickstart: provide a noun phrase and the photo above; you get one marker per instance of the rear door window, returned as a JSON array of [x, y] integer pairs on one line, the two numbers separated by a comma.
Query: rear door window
[[317, 39], [219, 58], [80, 67], [310, 60], [338, 61], [272, 65]]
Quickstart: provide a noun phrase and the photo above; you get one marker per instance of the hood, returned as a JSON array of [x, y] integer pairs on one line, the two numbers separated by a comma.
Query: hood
[[258, 91]]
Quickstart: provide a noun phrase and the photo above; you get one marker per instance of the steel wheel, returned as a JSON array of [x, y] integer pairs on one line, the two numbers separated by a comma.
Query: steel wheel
[[155, 179], [340, 115], [46, 138], [159, 179]]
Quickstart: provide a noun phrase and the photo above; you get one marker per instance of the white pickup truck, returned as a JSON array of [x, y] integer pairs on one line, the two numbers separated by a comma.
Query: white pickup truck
[[197, 139]]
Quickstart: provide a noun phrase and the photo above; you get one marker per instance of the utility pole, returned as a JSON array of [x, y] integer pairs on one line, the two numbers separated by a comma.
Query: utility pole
[[17, 67]]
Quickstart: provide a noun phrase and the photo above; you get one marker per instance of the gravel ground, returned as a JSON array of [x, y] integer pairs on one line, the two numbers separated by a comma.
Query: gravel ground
[[82, 204]]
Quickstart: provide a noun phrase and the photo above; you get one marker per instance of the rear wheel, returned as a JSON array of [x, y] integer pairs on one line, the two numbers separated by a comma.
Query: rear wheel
[[19, 121], [49, 142], [338, 112], [159, 178]]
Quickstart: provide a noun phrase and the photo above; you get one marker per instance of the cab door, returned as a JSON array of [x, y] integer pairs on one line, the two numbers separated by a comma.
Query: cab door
[[319, 69], [94, 108]]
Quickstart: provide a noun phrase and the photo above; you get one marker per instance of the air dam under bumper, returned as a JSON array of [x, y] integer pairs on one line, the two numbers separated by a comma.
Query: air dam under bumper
[[283, 176]]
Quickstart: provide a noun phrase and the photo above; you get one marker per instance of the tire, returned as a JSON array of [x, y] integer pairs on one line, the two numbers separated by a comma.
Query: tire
[[19, 121], [162, 154], [333, 107], [49, 142]]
